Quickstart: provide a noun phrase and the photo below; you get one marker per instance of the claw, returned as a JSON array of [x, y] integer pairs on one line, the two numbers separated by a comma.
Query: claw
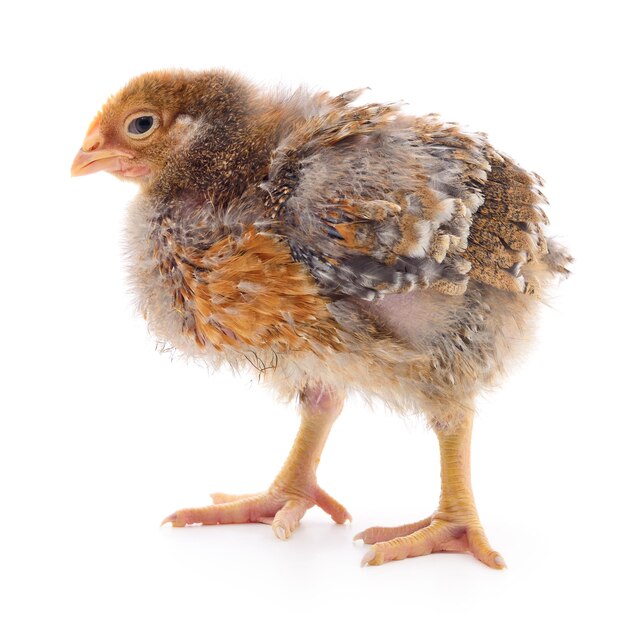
[[280, 532], [369, 556], [170, 519]]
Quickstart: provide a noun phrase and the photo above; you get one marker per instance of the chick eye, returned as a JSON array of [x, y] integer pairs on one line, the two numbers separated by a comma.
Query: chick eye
[[141, 126]]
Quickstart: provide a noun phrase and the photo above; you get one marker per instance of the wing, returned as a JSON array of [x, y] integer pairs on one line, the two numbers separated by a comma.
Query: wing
[[374, 202], [507, 243]]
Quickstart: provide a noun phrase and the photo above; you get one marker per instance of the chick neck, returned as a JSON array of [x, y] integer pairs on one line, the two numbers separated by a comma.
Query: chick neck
[[226, 159]]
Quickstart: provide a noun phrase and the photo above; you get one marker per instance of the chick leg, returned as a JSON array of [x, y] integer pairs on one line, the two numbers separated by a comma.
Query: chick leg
[[294, 489], [454, 527]]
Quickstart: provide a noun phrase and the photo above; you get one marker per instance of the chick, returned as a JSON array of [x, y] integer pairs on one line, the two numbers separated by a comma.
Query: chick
[[332, 248]]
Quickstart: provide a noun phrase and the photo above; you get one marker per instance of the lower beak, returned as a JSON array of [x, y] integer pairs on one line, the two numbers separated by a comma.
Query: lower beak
[[89, 162]]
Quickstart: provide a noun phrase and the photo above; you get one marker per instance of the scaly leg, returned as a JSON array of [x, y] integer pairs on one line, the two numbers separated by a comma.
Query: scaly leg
[[454, 527], [295, 488]]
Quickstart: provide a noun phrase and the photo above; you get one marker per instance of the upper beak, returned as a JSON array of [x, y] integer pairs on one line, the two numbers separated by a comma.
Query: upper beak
[[94, 158]]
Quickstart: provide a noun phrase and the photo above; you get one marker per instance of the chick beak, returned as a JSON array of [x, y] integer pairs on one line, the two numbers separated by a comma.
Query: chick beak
[[93, 157]]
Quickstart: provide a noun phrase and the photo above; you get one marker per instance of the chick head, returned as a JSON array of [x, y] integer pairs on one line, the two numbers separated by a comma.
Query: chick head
[[179, 127]]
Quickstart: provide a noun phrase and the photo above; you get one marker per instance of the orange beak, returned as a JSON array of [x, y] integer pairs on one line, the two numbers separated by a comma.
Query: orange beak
[[93, 157]]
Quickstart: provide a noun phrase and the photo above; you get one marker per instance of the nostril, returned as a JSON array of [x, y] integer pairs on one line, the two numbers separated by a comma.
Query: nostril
[[89, 146]]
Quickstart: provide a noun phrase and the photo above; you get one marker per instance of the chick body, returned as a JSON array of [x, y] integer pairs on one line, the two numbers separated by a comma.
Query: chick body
[[330, 247], [372, 251]]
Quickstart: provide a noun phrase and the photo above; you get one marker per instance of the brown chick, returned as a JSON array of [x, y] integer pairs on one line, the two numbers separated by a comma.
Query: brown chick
[[334, 248]]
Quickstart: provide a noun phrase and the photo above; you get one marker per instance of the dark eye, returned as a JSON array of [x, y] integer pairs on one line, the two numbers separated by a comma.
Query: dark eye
[[141, 125]]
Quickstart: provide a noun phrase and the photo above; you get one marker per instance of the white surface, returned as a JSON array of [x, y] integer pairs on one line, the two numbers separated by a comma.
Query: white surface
[[101, 436]]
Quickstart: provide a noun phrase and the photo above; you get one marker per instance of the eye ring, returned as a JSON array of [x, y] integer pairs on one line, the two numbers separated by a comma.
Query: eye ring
[[141, 125]]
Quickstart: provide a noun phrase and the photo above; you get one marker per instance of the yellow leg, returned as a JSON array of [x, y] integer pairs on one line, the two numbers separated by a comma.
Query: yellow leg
[[454, 527], [294, 489]]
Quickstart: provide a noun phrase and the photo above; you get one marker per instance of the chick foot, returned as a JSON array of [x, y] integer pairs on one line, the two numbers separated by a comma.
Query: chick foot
[[454, 527], [282, 509], [432, 534], [294, 490]]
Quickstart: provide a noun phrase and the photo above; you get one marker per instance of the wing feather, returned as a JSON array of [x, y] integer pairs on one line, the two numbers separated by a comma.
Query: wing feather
[[375, 202]]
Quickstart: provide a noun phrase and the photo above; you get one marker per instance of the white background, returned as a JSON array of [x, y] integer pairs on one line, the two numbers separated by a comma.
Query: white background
[[101, 436]]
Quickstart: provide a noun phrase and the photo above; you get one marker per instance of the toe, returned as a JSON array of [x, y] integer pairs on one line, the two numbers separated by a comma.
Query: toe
[[421, 542], [376, 534], [329, 505], [236, 512], [222, 498], [287, 519], [480, 548], [432, 534]]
